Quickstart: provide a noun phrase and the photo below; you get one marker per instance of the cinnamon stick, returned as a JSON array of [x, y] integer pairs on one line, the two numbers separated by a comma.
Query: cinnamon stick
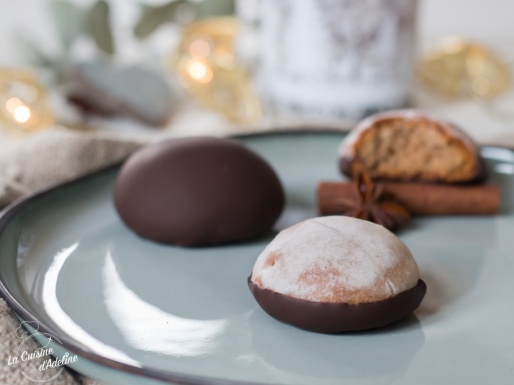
[[418, 198]]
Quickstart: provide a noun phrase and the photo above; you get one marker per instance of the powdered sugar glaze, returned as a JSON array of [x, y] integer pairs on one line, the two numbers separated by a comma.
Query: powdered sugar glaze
[[336, 259], [347, 147]]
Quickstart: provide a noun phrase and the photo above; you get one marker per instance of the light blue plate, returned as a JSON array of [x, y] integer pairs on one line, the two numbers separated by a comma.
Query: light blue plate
[[137, 312]]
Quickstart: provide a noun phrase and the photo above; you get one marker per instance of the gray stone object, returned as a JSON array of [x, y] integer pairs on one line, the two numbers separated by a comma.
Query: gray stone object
[[105, 89]]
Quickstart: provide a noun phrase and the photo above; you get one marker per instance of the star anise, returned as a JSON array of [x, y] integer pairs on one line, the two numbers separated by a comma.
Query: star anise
[[371, 203]]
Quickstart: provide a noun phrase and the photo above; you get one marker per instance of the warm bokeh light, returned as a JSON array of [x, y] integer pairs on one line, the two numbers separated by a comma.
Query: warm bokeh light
[[24, 105], [12, 104], [207, 68], [481, 86], [21, 114], [199, 47], [199, 71], [19, 111]]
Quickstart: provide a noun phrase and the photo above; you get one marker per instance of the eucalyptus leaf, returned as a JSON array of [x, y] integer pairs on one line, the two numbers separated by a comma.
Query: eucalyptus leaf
[[154, 17], [68, 19], [211, 8], [99, 26]]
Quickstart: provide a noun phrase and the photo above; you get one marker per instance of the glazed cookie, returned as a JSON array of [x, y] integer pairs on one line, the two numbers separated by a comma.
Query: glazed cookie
[[336, 274], [198, 191]]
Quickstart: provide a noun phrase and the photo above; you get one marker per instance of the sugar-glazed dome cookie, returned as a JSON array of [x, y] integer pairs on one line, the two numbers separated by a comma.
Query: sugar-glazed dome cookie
[[335, 274]]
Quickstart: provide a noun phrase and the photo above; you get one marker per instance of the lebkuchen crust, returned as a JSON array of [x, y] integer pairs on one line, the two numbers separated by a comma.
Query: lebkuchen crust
[[410, 145]]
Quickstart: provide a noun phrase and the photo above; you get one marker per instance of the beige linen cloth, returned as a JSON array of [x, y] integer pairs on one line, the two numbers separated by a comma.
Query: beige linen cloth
[[34, 163]]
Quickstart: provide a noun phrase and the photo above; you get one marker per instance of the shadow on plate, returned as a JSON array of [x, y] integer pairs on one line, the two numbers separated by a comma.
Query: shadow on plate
[[381, 354]]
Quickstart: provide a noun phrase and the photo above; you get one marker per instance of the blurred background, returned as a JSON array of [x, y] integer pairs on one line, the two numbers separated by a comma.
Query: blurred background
[[188, 67]]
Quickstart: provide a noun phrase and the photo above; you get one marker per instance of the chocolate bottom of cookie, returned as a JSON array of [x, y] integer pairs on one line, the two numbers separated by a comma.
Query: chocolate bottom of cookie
[[330, 317]]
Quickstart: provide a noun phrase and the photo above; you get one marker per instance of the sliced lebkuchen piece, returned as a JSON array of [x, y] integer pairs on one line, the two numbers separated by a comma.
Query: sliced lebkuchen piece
[[410, 145]]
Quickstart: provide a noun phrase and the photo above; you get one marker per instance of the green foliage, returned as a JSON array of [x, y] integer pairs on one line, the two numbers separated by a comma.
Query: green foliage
[[211, 8], [72, 21], [98, 26], [69, 21], [154, 17]]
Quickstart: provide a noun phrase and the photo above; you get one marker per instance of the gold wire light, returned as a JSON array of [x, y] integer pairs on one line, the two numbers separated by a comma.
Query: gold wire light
[[23, 102], [207, 67], [460, 68]]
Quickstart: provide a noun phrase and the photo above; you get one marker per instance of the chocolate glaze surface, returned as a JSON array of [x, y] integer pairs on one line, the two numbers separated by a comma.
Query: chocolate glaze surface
[[330, 317], [198, 191]]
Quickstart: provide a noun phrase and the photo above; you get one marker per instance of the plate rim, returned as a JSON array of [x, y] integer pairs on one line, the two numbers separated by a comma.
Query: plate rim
[[172, 377]]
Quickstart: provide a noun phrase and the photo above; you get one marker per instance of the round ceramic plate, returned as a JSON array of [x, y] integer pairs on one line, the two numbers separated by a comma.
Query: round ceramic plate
[[139, 312]]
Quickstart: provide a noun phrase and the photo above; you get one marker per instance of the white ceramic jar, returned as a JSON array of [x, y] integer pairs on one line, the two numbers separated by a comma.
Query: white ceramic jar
[[337, 60]]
